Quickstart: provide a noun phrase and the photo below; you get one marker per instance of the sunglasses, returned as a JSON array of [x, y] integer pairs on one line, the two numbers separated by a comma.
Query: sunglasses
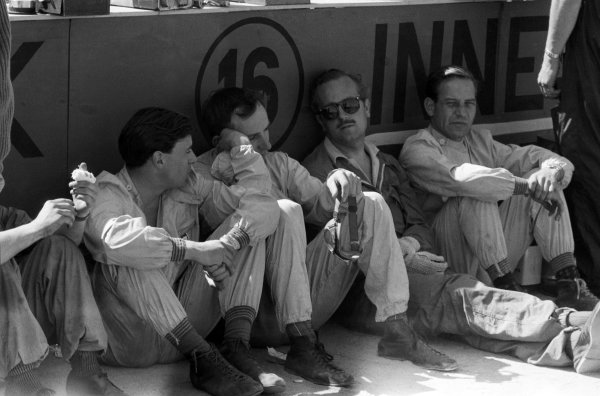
[[332, 110]]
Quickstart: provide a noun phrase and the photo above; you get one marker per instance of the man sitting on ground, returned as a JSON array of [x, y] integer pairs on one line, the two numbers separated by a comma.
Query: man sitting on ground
[[496, 320], [326, 276], [153, 276], [52, 299], [462, 173]]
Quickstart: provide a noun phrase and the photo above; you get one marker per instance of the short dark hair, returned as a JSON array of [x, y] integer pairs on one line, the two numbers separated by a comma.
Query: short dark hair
[[448, 72], [149, 130], [222, 104], [334, 74]]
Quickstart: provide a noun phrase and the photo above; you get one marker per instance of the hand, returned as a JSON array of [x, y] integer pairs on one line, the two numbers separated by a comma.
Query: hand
[[84, 195], [552, 203], [342, 183], [409, 245], [54, 214], [425, 263], [547, 77], [229, 139], [210, 253], [542, 182]]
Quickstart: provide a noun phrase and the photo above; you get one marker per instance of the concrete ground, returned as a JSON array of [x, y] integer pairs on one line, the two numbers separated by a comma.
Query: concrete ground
[[480, 373]]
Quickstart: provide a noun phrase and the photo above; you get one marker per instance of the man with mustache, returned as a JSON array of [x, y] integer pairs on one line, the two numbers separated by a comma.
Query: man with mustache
[[500, 321], [463, 174], [322, 273]]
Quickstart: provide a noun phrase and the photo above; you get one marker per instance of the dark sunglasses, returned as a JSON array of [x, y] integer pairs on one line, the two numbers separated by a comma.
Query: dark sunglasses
[[332, 110]]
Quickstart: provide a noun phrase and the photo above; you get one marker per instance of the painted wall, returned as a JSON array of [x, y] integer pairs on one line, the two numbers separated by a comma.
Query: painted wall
[[77, 81]]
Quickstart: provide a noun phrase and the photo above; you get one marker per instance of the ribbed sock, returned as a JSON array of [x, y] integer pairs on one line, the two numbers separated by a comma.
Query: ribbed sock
[[568, 272], [301, 329], [186, 339], [238, 323], [85, 363], [23, 379]]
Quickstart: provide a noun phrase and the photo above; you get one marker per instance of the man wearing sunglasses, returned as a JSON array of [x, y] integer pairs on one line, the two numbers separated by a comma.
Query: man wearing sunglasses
[[463, 174], [320, 273], [492, 319]]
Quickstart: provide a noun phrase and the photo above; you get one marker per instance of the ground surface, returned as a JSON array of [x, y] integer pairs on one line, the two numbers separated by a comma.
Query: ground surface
[[480, 373]]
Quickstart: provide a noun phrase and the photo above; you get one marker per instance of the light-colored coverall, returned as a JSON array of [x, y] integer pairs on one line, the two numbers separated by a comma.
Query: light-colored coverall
[[143, 286], [460, 185], [303, 198], [53, 296], [52, 300], [491, 319]]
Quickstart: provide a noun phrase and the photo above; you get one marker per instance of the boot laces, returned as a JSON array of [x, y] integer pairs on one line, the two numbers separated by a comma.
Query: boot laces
[[323, 358], [219, 363]]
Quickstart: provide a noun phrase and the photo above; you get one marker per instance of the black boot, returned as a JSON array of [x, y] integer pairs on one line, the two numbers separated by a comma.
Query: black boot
[[211, 373], [572, 291], [401, 342], [309, 360], [237, 352], [508, 282]]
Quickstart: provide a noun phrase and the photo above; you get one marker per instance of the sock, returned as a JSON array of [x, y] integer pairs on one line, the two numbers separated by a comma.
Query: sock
[[238, 323], [301, 329], [186, 339], [569, 272], [498, 270], [85, 363], [22, 379]]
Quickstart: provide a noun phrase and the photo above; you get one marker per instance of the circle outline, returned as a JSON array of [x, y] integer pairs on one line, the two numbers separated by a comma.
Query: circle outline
[[281, 30]]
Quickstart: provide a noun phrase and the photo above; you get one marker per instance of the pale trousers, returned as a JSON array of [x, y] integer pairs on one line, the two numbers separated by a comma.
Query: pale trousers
[[141, 307], [51, 302], [499, 321], [474, 235]]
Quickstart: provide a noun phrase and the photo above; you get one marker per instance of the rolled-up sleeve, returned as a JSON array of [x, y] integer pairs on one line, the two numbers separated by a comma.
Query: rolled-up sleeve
[[116, 235]]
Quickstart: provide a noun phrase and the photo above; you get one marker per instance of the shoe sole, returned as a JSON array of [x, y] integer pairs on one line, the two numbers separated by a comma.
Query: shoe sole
[[270, 390], [442, 369], [588, 364], [316, 381]]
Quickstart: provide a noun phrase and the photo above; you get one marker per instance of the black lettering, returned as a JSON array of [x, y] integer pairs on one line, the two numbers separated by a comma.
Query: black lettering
[[516, 65], [262, 83], [378, 73]]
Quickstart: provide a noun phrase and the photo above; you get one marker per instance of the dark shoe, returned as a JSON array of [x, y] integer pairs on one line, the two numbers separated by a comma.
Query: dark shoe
[[586, 352], [92, 385], [401, 342], [310, 361], [238, 354], [211, 373], [574, 293], [508, 282]]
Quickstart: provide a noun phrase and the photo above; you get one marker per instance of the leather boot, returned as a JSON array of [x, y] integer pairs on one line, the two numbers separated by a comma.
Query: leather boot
[[309, 360], [211, 373], [572, 292], [237, 352], [401, 342]]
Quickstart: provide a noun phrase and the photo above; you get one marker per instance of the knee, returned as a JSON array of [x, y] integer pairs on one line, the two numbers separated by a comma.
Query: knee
[[57, 250], [290, 211]]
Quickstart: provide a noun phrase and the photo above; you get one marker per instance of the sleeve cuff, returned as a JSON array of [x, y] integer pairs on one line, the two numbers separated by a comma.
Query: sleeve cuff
[[521, 186], [178, 253], [236, 238]]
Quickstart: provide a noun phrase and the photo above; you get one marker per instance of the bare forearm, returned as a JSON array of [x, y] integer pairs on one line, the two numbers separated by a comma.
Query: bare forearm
[[15, 240], [563, 16]]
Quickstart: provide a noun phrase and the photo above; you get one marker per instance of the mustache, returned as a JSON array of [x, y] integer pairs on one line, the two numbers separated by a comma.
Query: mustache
[[345, 123]]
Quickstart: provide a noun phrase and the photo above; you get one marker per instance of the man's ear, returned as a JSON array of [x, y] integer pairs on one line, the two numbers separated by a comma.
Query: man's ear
[[158, 159], [368, 107], [429, 105], [215, 140]]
